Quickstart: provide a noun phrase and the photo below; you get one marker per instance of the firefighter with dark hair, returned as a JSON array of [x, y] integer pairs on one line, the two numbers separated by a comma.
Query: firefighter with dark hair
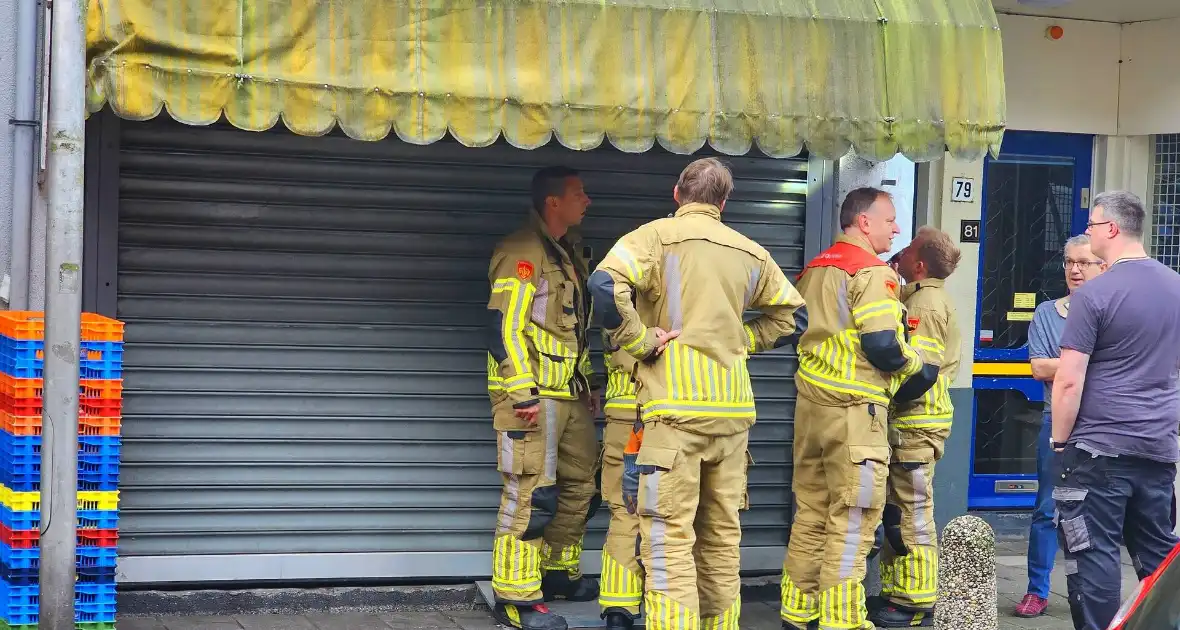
[[544, 398]]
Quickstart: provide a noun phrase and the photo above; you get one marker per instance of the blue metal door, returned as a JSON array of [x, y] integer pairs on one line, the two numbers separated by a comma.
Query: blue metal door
[[1035, 196]]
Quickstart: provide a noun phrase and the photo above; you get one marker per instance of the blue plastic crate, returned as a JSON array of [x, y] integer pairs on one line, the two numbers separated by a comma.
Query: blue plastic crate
[[98, 519], [87, 557], [98, 462], [28, 577], [92, 603], [18, 358]]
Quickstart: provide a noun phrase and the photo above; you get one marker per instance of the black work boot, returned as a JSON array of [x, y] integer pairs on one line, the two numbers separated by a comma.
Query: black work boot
[[811, 625], [891, 616], [535, 617], [558, 585], [618, 619]]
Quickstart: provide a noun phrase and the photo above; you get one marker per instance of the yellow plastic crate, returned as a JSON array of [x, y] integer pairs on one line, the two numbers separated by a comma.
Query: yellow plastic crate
[[31, 501]]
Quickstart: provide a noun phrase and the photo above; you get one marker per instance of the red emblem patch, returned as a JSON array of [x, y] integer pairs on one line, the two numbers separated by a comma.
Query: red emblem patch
[[912, 323], [524, 269], [891, 287]]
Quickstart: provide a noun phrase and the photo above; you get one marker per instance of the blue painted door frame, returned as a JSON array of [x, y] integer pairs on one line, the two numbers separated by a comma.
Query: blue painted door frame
[[1017, 491]]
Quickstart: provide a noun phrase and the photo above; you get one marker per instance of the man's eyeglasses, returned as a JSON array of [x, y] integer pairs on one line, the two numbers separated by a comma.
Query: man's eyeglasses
[[1081, 264]]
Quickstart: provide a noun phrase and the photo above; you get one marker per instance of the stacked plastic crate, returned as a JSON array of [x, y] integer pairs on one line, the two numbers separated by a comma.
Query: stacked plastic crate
[[22, 349]]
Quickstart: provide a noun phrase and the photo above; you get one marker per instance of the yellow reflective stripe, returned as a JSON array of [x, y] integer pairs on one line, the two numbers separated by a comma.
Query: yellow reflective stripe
[[618, 586], [665, 407], [622, 402], [797, 607], [876, 309], [516, 318], [934, 405], [915, 576], [618, 383], [843, 606], [929, 344], [875, 394], [664, 613], [751, 343], [780, 296], [727, 620], [558, 394], [692, 376], [630, 266], [636, 343], [568, 560], [516, 567]]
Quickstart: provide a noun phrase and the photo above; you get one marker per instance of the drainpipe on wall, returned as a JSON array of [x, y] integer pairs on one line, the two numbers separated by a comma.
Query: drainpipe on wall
[[66, 125], [25, 133]]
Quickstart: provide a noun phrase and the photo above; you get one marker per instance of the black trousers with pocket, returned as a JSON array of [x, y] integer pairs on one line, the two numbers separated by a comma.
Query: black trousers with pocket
[[1102, 502]]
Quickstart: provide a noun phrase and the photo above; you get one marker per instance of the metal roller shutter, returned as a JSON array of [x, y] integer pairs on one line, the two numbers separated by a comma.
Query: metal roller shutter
[[304, 366]]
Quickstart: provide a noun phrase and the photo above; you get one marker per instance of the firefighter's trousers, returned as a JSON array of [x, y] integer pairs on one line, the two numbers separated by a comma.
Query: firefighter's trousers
[[621, 584], [691, 488], [841, 457], [909, 559], [548, 474]]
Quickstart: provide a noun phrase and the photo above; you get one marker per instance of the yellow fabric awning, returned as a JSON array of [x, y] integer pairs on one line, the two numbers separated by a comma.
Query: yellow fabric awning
[[879, 76]]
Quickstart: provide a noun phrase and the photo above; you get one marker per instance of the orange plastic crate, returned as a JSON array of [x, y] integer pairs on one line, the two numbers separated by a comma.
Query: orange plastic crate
[[110, 389], [99, 425], [31, 325], [87, 425], [21, 387], [20, 425], [34, 388], [98, 328]]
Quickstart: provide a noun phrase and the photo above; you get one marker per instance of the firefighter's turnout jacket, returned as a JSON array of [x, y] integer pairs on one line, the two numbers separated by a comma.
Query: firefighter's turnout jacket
[[854, 350], [934, 334], [538, 339], [700, 383]]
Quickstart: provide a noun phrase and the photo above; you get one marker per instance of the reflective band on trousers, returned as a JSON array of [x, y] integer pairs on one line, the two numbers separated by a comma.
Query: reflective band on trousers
[[619, 587], [664, 613], [516, 566], [568, 559], [797, 607], [727, 620]]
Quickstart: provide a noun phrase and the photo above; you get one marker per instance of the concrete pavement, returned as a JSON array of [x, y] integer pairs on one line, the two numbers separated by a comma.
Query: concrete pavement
[[756, 615]]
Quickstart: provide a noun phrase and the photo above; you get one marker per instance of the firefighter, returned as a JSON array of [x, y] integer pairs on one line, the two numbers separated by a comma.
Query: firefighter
[[918, 428], [691, 278], [621, 588], [544, 399], [852, 359]]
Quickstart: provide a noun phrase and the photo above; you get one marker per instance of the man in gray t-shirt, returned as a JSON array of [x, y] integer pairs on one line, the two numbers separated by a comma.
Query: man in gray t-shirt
[[1116, 405]]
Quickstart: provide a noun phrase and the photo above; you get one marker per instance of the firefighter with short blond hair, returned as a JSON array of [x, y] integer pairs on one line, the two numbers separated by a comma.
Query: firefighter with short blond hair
[[919, 425], [672, 294]]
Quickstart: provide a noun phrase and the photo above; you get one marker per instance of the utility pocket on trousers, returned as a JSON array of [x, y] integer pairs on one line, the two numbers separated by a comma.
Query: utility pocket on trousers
[[745, 505], [520, 452], [1071, 518], [656, 458], [867, 473]]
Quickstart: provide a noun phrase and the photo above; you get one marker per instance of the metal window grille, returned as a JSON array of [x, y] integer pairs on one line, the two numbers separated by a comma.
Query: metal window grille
[[1165, 218]]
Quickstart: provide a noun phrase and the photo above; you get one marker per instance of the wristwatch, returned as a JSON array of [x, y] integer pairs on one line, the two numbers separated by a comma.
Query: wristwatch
[[1055, 445]]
